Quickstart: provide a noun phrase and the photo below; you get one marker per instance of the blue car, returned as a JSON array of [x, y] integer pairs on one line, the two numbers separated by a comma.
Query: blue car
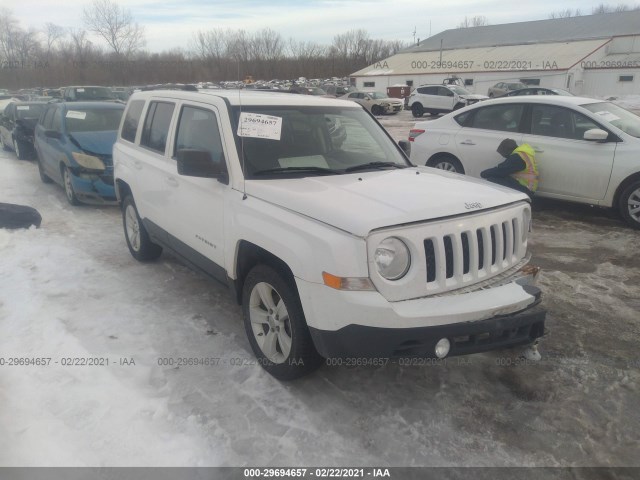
[[74, 143]]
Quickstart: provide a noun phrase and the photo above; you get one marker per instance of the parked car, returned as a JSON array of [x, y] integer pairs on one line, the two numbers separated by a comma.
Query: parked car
[[537, 91], [503, 88], [435, 99], [305, 90], [86, 93], [587, 150], [377, 103], [333, 251], [338, 90], [17, 124], [74, 143]]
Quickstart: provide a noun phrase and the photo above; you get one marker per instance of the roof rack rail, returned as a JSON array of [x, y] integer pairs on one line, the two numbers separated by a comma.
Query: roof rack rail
[[171, 86]]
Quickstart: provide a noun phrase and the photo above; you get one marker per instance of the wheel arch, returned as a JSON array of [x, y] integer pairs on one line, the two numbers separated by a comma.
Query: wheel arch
[[248, 255], [122, 189], [623, 185]]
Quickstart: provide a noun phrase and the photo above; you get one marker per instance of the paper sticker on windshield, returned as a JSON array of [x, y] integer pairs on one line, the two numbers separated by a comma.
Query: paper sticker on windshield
[[608, 116], [75, 114], [80, 90], [23, 107], [257, 125]]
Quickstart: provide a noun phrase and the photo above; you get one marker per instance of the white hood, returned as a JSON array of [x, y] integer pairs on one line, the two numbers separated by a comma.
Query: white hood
[[361, 202]]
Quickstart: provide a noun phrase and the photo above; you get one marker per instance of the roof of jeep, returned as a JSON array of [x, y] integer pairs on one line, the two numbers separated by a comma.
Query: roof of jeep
[[241, 97]]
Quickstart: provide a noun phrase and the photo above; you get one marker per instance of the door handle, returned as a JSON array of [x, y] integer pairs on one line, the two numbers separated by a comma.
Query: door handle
[[172, 182], [137, 165], [537, 150], [467, 142]]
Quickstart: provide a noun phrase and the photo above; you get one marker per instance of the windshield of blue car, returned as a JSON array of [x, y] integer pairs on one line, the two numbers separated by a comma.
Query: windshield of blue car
[[29, 111], [93, 119], [617, 116], [313, 140]]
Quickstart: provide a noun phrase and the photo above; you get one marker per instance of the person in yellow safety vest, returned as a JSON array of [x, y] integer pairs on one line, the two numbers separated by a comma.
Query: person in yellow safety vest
[[518, 170]]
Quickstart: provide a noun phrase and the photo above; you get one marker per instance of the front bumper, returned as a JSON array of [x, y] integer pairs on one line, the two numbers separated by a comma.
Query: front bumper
[[503, 331], [364, 324], [93, 187]]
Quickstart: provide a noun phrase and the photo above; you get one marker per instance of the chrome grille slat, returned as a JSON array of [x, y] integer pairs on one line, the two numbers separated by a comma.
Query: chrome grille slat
[[464, 257]]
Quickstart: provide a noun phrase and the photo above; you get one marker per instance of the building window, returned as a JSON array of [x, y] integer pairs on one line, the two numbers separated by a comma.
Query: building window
[[625, 78], [530, 81], [409, 83], [468, 82], [369, 84]]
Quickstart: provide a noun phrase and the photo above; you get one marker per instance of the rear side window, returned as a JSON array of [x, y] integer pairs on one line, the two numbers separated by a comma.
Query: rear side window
[[131, 120], [198, 130], [498, 117], [156, 126]]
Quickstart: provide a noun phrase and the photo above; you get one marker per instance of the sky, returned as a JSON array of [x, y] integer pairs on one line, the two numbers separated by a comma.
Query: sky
[[172, 23]]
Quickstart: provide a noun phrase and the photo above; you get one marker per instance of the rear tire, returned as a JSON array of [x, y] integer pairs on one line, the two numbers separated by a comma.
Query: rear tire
[[275, 325], [417, 110], [629, 204], [140, 245], [43, 176], [446, 162], [20, 149]]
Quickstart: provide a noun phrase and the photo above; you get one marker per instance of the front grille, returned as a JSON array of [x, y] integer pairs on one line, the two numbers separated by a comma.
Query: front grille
[[459, 258]]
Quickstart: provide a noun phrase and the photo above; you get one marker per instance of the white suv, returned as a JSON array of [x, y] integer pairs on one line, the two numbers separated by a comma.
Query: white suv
[[434, 99], [334, 244]]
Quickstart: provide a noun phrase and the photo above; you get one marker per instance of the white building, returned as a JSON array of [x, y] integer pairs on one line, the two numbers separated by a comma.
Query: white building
[[594, 55]]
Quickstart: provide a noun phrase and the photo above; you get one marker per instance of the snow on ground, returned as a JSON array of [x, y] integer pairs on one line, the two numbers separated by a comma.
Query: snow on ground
[[71, 290]]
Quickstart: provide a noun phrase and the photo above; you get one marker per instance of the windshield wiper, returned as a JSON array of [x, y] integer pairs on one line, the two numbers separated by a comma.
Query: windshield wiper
[[366, 166], [319, 170]]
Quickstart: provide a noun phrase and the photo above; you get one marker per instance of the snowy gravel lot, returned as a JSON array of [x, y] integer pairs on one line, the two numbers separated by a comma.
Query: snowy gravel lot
[[71, 289]]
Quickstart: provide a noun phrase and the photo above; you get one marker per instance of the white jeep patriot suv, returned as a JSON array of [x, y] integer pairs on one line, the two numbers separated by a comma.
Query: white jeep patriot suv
[[334, 244]]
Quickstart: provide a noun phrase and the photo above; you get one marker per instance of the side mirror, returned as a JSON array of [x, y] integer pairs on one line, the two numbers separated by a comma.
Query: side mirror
[[52, 134], [405, 146], [596, 135], [198, 163]]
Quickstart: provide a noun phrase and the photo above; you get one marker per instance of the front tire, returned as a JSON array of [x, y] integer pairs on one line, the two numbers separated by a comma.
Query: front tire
[[4, 146], [376, 110], [275, 325], [68, 186], [417, 110], [629, 204], [140, 245]]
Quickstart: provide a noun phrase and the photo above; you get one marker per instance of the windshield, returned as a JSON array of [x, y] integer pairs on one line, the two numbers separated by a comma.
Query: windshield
[[315, 140], [617, 116], [378, 96], [459, 90], [94, 93], [29, 111], [93, 120]]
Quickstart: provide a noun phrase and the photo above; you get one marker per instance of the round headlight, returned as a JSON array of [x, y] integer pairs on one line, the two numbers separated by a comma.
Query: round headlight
[[392, 258]]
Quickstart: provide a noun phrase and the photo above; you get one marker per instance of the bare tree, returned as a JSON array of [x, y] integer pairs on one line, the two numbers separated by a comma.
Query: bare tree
[[53, 33], [476, 21], [621, 7], [115, 25]]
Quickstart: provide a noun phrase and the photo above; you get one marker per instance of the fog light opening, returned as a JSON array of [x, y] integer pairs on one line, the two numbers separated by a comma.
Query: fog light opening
[[442, 348]]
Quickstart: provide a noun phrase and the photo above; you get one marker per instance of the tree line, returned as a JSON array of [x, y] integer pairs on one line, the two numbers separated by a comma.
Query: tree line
[[54, 55]]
